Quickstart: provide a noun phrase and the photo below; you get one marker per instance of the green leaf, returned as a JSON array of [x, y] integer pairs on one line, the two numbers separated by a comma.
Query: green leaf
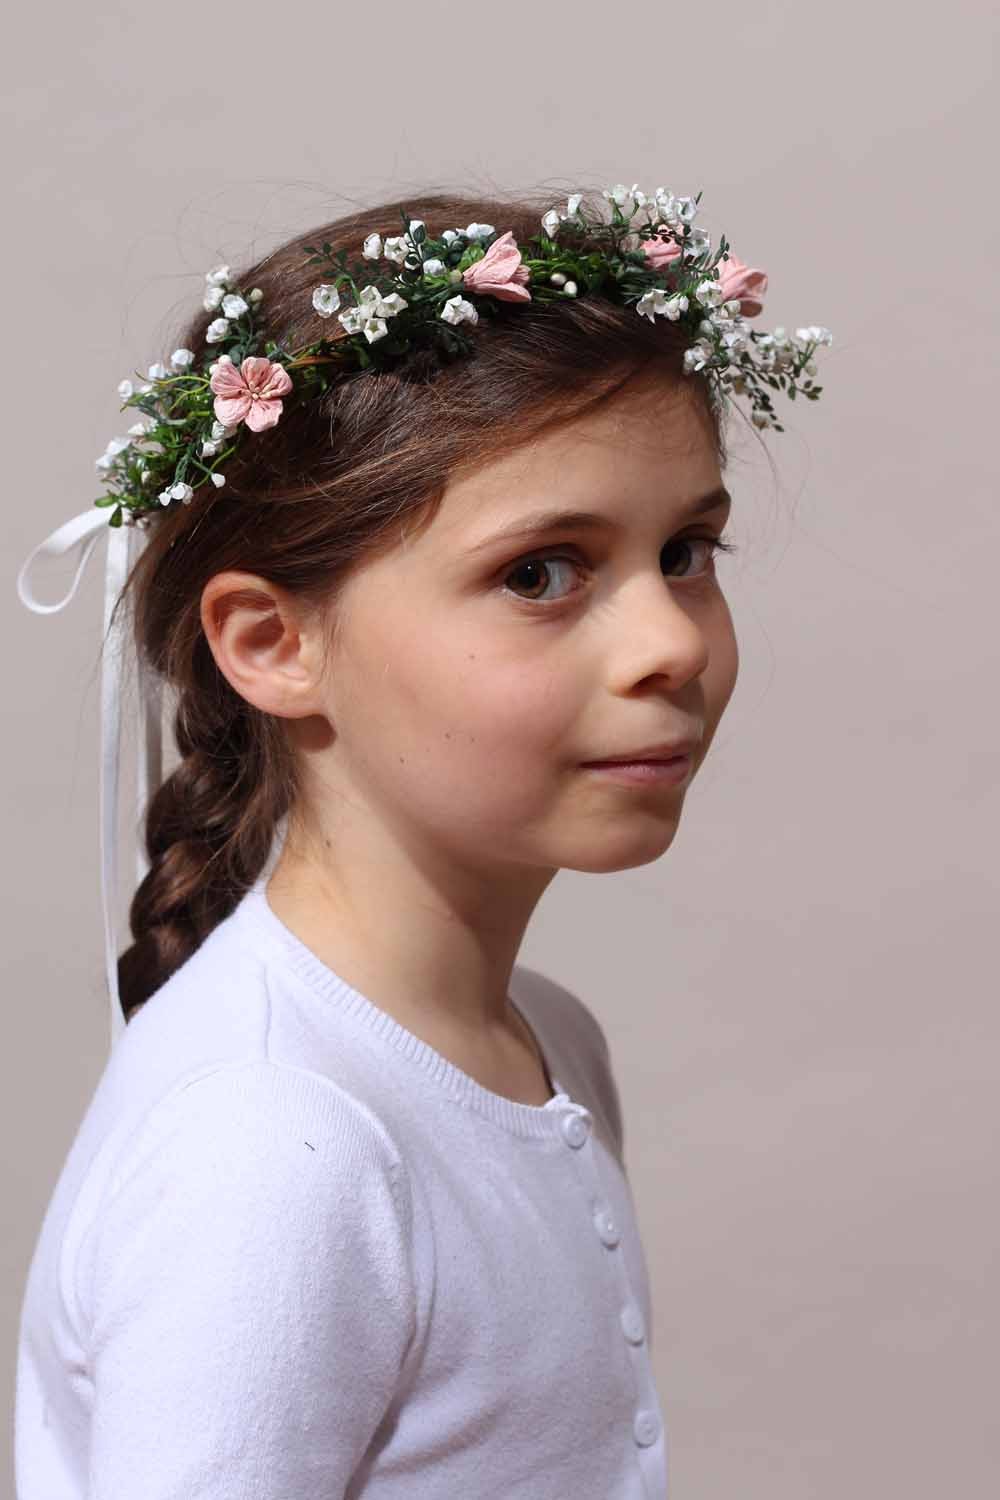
[[115, 519]]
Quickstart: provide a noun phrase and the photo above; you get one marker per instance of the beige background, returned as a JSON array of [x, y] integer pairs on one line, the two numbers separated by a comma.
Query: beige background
[[800, 997]]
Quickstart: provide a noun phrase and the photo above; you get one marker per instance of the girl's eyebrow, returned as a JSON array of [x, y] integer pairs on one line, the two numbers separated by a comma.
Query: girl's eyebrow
[[542, 522]]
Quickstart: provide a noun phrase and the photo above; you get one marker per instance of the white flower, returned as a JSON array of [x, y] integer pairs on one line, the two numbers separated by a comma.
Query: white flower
[[139, 429], [221, 431], [219, 277], [573, 204], [760, 418], [433, 267], [478, 231], [164, 497], [619, 194], [126, 389], [181, 491], [182, 359], [709, 293], [218, 480], [256, 296], [352, 319], [570, 289], [233, 306], [450, 235], [814, 334], [217, 331], [396, 248], [326, 300], [669, 305], [372, 247], [212, 298], [106, 461], [145, 388], [698, 241], [209, 450], [373, 304], [223, 359], [158, 372], [550, 222], [733, 306], [685, 208], [557, 279], [374, 328], [697, 356], [459, 310], [414, 224]]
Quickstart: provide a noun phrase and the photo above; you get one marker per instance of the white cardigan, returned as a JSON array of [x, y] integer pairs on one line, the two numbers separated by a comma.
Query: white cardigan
[[296, 1254]]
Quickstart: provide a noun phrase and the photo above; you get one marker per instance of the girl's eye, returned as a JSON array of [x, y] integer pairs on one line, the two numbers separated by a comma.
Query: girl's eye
[[539, 566]]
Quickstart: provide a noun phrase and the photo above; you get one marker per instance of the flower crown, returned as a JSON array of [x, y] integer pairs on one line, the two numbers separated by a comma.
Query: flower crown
[[662, 266]]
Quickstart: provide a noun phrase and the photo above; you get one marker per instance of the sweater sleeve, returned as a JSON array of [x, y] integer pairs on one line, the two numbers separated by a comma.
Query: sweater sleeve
[[248, 1289]]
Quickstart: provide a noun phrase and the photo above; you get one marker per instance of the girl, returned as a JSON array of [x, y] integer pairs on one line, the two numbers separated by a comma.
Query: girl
[[348, 1213]]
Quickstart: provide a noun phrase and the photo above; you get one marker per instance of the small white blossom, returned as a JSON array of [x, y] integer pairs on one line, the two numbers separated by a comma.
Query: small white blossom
[[372, 247], [396, 248], [217, 331], [326, 300], [218, 480], [623, 196], [219, 430], [414, 224], [164, 497], [709, 293], [374, 328], [570, 289], [223, 359], [733, 306], [182, 359], [213, 298], [433, 266], [139, 429], [668, 305], [209, 450], [158, 372], [573, 205], [256, 296], [126, 389], [686, 209], [234, 306], [145, 388], [760, 418], [450, 235], [459, 310], [697, 356], [181, 491], [352, 319], [478, 231], [550, 222], [557, 279], [219, 277], [814, 334]]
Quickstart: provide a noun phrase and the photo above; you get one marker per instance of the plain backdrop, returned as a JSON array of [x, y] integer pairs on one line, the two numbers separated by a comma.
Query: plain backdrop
[[800, 996]]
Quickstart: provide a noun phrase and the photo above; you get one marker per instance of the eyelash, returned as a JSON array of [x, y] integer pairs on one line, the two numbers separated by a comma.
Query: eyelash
[[716, 544]]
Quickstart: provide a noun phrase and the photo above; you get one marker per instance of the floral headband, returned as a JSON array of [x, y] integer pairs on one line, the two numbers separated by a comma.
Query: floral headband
[[430, 293], [192, 419]]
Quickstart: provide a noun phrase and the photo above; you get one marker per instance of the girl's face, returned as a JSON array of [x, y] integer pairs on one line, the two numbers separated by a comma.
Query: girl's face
[[471, 674]]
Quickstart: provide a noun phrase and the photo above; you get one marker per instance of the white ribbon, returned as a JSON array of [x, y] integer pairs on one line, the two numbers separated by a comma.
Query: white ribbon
[[82, 532]]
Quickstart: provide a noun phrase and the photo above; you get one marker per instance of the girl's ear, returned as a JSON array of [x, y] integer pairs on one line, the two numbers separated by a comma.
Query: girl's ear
[[265, 643]]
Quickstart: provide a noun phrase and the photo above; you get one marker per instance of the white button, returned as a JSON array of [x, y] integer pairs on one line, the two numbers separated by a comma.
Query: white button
[[646, 1428], [606, 1227], [575, 1129], [633, 1327]]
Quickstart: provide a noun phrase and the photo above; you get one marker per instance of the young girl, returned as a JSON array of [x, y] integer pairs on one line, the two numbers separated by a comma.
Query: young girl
[[433, 585]]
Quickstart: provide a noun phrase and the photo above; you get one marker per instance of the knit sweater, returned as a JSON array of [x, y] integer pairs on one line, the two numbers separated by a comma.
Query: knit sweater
[[294, 1253]]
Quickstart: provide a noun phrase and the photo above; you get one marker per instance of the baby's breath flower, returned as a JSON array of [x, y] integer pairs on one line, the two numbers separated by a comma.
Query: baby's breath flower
[[396, 248], [459, 310], [326, 300]]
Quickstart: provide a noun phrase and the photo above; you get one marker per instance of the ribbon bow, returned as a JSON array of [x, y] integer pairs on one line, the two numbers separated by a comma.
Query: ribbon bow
[[82, 533]]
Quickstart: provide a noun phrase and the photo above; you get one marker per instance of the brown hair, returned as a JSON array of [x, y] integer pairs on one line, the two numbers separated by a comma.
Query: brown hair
[[306, 502]]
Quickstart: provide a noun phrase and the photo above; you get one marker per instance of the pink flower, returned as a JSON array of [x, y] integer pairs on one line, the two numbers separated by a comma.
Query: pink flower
[[500, 273], [660, 253], [250, 394], [742, 281], [736, 280]]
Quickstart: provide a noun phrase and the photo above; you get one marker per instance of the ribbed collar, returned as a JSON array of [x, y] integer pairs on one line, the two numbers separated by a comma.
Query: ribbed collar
[[258, 920]]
